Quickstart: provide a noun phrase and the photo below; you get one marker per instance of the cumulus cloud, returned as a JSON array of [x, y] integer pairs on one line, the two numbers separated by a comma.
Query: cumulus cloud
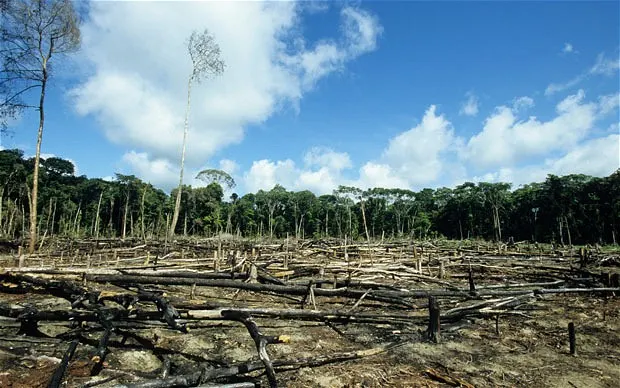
[[326, 157], [229, 166], [379, 175], [470, 107], [162, 173], [265, 174], [137, 76], [416, 155], [321, 172], [429, 154], [596, 157], [602, 67], [504, 140]]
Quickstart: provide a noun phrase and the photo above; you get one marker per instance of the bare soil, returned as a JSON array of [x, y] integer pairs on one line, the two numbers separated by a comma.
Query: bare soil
[[531, 348]]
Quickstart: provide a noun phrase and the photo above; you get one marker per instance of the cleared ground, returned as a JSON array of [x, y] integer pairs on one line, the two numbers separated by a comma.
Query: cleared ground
[[353, 316]]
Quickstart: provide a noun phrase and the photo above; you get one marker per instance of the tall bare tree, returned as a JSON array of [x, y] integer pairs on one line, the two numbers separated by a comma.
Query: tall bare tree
[[31, 33], [204, 53]]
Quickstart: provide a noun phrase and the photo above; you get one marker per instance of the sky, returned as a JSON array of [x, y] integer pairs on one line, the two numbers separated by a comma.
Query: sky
[[319, 94]]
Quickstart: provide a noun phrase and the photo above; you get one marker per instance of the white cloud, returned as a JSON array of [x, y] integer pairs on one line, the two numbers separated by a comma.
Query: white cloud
[[229, 166], [265, 174], [321, 173], [470, 107], [598, 157], [504, 141], [379, 175], [520, 104], [605, 66], [569, 49], [430, 154], [326, 157], [416, 155], [138, 76], [609, 103], [595, 157], [602, 67], [159, 172]]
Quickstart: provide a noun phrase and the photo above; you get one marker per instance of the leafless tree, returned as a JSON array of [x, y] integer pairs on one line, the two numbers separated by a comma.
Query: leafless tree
[[204, 53], [31, 33]]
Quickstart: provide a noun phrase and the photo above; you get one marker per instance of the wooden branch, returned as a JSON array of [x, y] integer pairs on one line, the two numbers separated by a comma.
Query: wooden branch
[[59, 373]]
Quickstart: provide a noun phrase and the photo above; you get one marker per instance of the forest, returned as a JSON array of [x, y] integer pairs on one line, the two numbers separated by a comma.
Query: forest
[[571, 209]]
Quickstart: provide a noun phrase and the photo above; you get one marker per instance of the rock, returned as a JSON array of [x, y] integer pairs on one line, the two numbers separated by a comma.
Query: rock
[[141, 360]]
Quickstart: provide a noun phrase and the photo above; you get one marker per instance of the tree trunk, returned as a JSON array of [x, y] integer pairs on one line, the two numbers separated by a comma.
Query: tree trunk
[[97, 216], [177, 204], [366, 229], [54, 216], [570, 241], [142, 227], [499, 224], [326, 223], [76, 220], [124, 233], [37, 158], [110, 224]]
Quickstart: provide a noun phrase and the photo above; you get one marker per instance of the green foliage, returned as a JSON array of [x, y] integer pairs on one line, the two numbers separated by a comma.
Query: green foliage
[[570, 209]]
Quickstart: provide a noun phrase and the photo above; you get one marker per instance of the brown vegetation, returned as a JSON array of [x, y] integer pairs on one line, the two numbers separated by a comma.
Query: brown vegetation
[[309, 313]]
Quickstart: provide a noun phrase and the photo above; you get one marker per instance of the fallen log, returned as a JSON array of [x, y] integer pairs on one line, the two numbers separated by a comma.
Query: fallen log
[[392, 297], [210, 374]]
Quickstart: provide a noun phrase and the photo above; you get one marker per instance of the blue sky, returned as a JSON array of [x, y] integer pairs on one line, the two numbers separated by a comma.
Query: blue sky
[[400, 94]]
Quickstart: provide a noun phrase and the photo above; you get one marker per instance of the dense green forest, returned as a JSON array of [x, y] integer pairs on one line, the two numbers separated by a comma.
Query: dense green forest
[[573, 209]]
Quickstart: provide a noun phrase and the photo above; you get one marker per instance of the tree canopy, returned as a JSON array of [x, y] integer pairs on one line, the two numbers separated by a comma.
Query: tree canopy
[[571, 209]]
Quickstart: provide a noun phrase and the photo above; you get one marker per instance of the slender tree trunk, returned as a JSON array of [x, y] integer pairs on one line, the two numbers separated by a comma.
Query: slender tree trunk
[[76, 220], [350, 222], [570, 241], [131, 226], [37, 158], [29, 194], [110, 224], [124, 234], [326, 222], [271, 211], [499, 224], [12, 220], [54, 216], [97, 216], [366, 229], [142, 228], [49, 216], [177, 204], [185, 225]]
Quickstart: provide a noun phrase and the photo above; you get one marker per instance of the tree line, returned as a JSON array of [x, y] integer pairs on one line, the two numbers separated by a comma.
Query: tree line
[[571, 209]]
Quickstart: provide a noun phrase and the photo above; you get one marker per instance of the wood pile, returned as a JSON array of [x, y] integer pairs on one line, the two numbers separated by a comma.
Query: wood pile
[[105, 297]]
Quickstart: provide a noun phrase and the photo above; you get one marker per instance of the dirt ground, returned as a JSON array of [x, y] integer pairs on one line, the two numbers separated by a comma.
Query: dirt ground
[[530, 350]]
